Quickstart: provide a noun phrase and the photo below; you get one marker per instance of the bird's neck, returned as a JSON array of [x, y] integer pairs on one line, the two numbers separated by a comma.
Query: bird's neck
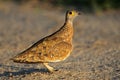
[[68, 23], [67, 29]]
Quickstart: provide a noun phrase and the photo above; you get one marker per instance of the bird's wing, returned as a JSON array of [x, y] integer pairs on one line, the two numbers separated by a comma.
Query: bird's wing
[[58, 52], [36, 52]]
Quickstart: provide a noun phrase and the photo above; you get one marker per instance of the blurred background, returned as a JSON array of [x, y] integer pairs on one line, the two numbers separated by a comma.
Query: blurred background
[[94, 6], [96, 53]]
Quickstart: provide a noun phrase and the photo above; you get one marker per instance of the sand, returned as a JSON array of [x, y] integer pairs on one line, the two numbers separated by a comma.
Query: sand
[[96, 53]]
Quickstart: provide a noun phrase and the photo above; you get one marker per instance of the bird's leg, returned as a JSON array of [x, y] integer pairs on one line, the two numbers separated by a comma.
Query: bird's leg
[[51, 69]]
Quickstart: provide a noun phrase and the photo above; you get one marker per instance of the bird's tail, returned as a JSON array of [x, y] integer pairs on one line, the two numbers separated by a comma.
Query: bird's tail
[[16, 59], [19, 58]]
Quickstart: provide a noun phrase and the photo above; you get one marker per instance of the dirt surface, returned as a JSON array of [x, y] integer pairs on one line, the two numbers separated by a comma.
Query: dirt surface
[[96, 53]]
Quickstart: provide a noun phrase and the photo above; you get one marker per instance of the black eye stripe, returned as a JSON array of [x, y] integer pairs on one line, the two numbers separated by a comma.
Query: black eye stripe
[[70, 12]]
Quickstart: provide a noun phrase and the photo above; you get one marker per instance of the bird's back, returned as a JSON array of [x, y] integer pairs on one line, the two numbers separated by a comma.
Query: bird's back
[[53, 48]]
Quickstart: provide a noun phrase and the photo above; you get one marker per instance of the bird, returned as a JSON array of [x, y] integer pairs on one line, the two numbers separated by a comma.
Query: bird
[[52, 48]]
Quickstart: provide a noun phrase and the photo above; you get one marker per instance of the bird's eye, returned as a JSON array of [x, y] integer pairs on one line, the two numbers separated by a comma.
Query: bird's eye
[[70, 12]]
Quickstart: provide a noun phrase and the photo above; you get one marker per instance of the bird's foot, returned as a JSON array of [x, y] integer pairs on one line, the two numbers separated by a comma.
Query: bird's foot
[[51, 69]]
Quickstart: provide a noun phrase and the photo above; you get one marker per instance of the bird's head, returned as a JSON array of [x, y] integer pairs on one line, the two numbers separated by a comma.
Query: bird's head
[[71, 14]]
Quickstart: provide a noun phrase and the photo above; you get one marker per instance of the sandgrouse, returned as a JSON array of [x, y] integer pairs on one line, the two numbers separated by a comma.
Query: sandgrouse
[[53, 48]]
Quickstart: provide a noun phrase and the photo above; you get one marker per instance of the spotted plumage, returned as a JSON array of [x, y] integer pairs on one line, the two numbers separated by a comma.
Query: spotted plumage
[[53, 48]]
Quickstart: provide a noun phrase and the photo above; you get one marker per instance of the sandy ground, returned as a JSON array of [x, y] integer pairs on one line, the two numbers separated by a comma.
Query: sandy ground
[[96, 53]]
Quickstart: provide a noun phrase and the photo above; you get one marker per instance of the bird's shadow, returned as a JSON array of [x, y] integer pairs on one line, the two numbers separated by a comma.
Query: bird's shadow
[[22, 71]]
